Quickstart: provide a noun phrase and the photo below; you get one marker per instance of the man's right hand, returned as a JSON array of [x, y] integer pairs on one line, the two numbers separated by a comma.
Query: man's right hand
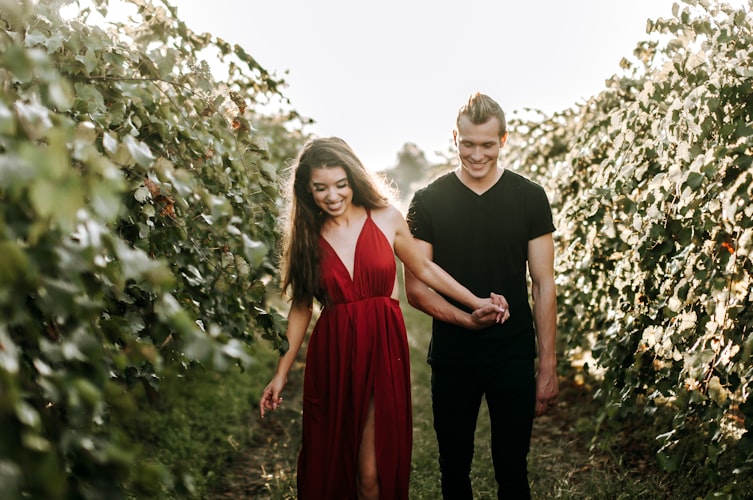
[[489, 314]]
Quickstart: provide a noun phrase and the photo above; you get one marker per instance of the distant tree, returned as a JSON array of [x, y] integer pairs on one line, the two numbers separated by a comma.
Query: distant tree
[[412, 168]]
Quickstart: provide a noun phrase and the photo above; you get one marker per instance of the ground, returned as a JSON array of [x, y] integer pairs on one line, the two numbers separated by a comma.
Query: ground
[[267, 471]]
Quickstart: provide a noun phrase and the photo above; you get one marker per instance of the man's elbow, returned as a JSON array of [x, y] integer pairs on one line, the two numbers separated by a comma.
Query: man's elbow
[[411, 286], [417, 293], [413, 298]]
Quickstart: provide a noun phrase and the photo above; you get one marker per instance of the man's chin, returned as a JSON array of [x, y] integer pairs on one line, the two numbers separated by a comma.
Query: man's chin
[[478, 171]]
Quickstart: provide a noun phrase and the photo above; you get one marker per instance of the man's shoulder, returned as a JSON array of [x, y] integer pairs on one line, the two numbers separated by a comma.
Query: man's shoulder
[[520, 178], [523, 182], [441, 183]]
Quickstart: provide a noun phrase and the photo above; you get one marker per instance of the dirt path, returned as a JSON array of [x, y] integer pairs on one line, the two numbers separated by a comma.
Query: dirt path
[[268, 470]]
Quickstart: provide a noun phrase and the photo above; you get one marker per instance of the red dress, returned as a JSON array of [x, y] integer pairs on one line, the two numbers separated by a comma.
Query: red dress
[[358, 350]]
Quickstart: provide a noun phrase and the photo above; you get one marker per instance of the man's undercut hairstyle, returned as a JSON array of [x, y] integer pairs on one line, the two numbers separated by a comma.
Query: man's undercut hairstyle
[[481, 108]]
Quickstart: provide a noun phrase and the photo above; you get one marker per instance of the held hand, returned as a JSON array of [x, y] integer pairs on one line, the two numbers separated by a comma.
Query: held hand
[[492, 310], [501, 301], [271, 399], [485, 316]]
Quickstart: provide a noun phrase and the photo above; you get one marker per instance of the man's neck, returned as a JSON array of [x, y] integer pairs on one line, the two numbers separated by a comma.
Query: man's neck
[[480, 185]]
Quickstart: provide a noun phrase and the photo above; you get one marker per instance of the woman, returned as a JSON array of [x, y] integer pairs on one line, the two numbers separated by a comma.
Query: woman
[[339, 248]]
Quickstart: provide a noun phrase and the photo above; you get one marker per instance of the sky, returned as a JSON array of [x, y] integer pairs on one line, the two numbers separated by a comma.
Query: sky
[[383, 73]]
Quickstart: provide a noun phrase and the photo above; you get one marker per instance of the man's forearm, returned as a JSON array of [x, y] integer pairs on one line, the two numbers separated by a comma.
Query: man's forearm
[[545, 321], [430, 302]]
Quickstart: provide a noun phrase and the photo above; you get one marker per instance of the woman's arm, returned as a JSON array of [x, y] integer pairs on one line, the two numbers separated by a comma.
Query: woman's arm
[[416, 261], [299, 317], [425, 299]]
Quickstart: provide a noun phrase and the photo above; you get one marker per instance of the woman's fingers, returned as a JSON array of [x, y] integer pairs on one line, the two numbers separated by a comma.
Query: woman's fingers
[[504, 309], [499, 300], [269, 402]]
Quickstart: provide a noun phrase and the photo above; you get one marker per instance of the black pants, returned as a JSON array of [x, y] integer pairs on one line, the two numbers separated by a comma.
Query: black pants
[[510, 390]]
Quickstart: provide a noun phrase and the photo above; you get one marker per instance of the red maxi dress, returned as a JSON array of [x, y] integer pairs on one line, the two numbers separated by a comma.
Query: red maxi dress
[[358, 350]]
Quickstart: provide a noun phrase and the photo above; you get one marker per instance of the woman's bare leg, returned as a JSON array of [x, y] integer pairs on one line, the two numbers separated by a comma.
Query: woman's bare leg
[[368, 476]]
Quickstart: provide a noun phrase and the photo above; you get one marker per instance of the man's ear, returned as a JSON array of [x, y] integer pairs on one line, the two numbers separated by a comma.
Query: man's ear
[[503, 139], [455, 137]]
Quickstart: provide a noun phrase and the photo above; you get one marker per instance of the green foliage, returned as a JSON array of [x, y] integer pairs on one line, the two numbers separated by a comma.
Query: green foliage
[[652, 185], [196, 428], [137, 232]]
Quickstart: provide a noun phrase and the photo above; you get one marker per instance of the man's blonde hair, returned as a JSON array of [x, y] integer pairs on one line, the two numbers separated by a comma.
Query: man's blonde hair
[[480, 108]]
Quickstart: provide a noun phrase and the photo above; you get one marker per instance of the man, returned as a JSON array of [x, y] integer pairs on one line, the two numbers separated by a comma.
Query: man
[[487, 226]]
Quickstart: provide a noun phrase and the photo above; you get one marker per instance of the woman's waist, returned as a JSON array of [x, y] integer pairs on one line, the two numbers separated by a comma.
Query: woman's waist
[[345, 302]]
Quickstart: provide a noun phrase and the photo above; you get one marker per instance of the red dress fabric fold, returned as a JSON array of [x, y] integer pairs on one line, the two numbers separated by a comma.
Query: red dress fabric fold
[[358, 350]]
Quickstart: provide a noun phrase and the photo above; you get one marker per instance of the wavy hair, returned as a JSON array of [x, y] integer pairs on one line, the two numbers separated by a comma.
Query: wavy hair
[[304, 219]]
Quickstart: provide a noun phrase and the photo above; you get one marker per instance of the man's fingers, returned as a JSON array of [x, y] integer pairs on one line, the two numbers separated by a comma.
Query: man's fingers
[[544, 406]]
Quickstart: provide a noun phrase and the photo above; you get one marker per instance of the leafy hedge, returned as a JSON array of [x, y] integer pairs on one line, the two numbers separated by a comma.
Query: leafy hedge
[[138, 198], [138, 210], [653, 189]]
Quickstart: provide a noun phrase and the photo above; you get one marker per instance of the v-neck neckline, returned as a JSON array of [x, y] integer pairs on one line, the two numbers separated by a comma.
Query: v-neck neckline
[[487, 190], [351, 274]]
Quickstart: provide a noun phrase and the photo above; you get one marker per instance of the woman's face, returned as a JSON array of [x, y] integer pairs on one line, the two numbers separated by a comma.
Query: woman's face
[[331, 190]]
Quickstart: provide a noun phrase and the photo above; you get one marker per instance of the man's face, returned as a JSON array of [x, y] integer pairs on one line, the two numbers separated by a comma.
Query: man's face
[[478, 147]]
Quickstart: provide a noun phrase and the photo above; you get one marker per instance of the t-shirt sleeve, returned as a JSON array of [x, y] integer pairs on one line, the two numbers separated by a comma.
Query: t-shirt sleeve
[[418, 219], [541, 221]]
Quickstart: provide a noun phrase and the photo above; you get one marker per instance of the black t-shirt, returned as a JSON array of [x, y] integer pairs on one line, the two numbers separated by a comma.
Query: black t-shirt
[[482, 241]]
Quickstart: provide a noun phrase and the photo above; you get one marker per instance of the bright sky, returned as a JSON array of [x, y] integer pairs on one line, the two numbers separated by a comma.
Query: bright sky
[[383, 73]]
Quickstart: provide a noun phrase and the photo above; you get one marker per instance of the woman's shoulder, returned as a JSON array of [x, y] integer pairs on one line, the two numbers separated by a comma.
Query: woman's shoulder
[[388, 212], [388, 218]]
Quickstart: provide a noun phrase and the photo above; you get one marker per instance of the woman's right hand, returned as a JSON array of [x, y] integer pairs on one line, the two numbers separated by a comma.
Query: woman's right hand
[[501, 301], [270, 398]]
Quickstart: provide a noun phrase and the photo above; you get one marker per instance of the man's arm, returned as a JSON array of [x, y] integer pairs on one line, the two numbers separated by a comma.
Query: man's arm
[[541, 269], [430, 302]]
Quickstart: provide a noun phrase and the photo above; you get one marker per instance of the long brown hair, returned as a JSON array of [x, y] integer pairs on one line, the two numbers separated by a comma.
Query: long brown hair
[[304, 219]]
